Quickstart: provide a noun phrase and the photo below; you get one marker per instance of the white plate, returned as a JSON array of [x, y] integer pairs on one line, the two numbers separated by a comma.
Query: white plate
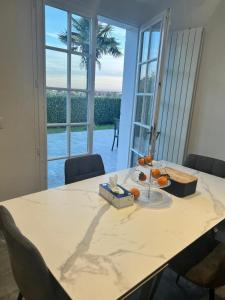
[[156, 199]]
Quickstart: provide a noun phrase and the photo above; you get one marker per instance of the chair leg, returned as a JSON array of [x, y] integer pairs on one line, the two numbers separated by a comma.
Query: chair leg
[[20, 296], [211, 294], [117, 143], [113, 143]]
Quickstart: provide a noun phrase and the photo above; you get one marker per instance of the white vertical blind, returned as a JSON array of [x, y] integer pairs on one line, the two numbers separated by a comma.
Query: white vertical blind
[[177, 93]]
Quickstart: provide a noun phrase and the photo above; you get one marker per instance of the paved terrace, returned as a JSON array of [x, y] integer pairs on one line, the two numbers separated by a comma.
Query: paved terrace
[[57, 147]]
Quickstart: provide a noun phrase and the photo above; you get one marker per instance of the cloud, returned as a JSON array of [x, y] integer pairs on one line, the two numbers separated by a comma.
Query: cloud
[[109, 83], [53, 34], [109, 78]]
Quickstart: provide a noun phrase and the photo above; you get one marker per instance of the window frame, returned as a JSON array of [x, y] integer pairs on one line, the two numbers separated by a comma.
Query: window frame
[[89, 91], [163, 18]]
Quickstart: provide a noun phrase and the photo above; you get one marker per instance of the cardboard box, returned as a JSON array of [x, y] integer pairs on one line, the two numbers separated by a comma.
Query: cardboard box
[[117, 200]]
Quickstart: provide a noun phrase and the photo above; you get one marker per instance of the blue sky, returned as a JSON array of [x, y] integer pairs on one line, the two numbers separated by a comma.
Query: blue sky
[[108, 78]]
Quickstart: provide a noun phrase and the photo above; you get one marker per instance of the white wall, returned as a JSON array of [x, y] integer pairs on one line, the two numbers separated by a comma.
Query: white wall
[[208, 126], [207, 135], [19, 165]]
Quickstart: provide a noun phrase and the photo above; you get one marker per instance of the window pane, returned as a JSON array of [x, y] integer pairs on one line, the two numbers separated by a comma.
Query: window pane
[[144, 144], [152, 67], [147, 110], [139, 107], [79, 104], [136, 141], [80, 34], [56, 173], [57, 141], [142, 77], [155, 40], [134, 159], [78, 72], [78, 140], [56, 69], [55, 27], [145, 43], [56, 106]]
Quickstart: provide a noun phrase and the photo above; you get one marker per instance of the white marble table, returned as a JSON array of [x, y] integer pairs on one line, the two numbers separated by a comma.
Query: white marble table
[[98, 252]]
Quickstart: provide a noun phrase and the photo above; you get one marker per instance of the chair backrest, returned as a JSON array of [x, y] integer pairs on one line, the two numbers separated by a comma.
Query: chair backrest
[[83, 167], [206, 164], [29, 269]]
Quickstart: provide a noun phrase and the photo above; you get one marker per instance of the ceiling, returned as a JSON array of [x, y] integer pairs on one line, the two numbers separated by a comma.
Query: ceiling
[[186, 13]]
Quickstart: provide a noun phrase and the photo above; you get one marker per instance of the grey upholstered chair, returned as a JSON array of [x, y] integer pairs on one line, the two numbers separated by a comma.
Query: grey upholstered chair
[[206, 164], [83, 167], [31, 274], [203, 262]]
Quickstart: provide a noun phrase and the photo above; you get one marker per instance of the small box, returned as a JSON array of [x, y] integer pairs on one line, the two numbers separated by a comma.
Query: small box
[[117, 200], [182, 184]]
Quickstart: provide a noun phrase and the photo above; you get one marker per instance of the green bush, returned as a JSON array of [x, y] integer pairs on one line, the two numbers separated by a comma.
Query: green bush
[[106, 109]]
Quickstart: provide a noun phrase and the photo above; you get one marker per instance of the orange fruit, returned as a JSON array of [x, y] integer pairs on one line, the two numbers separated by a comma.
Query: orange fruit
[[142, 176], [141, 161], [163, 180], [156, 173], [135, 192], [148, 159]]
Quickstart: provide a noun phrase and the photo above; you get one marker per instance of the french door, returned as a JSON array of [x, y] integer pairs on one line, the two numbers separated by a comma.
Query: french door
[[148, 83], [69, 85]]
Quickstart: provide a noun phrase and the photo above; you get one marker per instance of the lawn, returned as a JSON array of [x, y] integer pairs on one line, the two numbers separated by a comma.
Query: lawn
[[79, 128]]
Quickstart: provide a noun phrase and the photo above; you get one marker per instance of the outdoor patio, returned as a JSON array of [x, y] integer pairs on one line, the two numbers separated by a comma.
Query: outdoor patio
[[57, 147]]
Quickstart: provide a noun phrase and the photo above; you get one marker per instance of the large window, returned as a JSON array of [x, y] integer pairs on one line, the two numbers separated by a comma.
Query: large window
[[67, 45]]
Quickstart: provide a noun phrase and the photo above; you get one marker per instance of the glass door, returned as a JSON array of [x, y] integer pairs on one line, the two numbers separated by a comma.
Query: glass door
[[68, 88], [148, 83]]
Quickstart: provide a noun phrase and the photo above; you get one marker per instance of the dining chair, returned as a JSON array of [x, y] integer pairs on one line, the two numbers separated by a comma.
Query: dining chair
[[203, 262], [83, 167], [116, 132], [206, 164], [31, 274]]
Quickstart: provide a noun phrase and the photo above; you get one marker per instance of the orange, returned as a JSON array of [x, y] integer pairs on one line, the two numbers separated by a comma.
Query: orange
[[148, 159], [142, 176], [163, 180], [141, 161], [156, 173], [135, 192]]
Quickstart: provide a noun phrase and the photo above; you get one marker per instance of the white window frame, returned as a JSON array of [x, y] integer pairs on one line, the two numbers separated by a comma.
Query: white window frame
[[90, 82], [164, 17]]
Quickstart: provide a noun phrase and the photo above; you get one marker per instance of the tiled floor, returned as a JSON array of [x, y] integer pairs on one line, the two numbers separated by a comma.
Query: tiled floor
[[57, 146]]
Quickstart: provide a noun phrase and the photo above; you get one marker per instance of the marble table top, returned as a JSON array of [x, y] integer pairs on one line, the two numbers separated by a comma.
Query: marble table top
[[96, 251]]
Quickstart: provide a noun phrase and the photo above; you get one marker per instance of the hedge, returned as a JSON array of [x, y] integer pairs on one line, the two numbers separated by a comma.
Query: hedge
[[106, 109]]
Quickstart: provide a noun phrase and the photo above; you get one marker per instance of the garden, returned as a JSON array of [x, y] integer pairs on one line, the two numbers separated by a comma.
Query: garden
[[106, 109]]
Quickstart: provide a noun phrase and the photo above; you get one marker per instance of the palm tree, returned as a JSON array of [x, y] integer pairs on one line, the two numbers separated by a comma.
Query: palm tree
[[105, 43]]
